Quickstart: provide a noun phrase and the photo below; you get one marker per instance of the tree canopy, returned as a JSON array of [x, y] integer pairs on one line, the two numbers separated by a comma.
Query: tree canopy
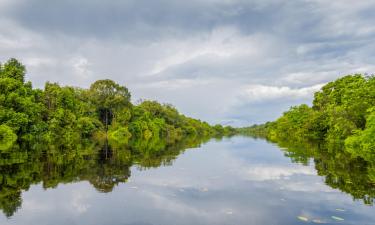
[[342, 114], [67, 114]]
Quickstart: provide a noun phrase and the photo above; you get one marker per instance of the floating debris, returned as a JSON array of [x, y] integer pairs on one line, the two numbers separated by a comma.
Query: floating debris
[[134, 187], [229, 212], [303, 218], [318, 221], [283, 199], [204, 189], [341, 210], [337, 218]]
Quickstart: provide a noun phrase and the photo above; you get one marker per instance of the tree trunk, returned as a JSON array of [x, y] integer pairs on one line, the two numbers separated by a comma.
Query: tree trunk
[[106, 120], [106, 149]]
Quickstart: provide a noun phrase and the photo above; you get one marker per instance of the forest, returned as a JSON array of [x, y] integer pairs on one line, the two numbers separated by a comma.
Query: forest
[[65, 114], [342, 115], [64, 134]]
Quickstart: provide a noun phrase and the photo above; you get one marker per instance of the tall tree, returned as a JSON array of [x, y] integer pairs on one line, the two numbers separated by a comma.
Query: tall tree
[[13, 69], [109, 97]]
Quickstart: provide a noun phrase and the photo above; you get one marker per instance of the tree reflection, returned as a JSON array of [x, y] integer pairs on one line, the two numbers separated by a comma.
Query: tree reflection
[[341, 170], [103, 165]]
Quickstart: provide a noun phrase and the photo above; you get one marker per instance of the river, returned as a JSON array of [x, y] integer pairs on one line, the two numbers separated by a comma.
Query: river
[[230, 181]]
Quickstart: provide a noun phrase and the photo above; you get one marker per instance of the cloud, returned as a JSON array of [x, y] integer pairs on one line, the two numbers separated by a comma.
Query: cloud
[[140, 20], [261, 93], [78, 202], [263, 173], [218, 60]]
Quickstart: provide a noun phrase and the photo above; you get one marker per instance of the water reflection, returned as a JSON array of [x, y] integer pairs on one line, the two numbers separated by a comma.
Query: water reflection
[[102, 165], [351, 174], [236, 180]]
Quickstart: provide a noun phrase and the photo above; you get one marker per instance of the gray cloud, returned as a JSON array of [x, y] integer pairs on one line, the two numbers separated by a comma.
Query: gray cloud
[[132, 20], [201, 56]]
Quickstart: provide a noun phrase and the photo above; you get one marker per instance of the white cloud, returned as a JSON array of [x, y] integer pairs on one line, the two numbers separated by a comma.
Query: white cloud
[[266, 172], [79, 204], [223, 43], [81, 67], [260, 93]]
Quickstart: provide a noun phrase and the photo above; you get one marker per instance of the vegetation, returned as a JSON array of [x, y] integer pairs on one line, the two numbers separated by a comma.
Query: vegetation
[[68, 134], [103, 165], [342, 111], [362, 143], [64, 134], [337, 132], [352, 175], [341, 123], [67, 114]]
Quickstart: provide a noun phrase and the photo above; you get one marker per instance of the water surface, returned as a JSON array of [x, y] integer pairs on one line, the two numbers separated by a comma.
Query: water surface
[[233, 181]]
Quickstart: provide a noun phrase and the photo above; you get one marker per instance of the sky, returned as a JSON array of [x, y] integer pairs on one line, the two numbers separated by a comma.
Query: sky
[[234, 62]]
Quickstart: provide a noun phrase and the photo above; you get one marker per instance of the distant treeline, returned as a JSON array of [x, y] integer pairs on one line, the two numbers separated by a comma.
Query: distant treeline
[[67, 114], [343, 112]]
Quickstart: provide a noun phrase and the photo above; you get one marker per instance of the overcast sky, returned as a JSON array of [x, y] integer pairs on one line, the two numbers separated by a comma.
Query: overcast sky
[[234, 62]]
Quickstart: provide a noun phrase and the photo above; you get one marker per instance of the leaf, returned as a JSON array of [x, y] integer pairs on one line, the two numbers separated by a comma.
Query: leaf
[[341, 210], [303, 218], [337, 218]]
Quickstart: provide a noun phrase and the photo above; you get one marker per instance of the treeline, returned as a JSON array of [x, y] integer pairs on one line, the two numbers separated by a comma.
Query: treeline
[[343, 112], [67, 114]]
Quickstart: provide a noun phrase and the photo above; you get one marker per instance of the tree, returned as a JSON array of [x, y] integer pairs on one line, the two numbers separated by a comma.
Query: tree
[[13, 69], [109, 97], [362, 143], [19, 108], [339, 109]]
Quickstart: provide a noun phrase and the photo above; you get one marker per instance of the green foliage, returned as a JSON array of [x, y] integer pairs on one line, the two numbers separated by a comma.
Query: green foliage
[[109, 98], [7, 137], [339, 108], [103, 165], [64, 114], [65, 134], [151, 118], [121, 135], [344, 103], [14, 70], [340, 169], [342, 111], [19, 106], [87, 126], [295, 121], [362, 143]]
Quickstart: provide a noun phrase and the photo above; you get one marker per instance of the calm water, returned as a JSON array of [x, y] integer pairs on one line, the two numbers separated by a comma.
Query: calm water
[[232, 181]]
